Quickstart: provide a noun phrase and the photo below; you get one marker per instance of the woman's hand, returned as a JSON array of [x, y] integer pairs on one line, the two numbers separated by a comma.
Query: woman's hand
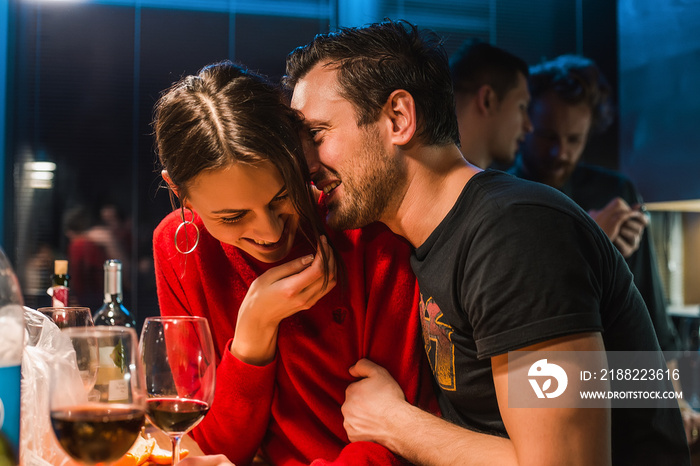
[[278, 293]]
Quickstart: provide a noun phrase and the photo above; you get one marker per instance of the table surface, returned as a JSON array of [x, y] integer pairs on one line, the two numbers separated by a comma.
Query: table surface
[[163, 441]]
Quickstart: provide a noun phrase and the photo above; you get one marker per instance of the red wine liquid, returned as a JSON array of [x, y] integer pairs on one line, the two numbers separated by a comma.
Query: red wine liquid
[[173, 415], [93, 434]]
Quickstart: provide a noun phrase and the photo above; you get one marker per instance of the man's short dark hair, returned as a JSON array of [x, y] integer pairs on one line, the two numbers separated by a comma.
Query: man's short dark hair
[[479, 63], [575, 79], [375, 60]]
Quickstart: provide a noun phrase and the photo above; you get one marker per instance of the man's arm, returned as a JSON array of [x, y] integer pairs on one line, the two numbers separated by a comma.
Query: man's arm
[[375, 410], [549, 436]]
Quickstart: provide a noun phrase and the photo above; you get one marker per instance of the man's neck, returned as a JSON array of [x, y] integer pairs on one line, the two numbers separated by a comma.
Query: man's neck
[[436, 178], [473, 128], [477, 155]]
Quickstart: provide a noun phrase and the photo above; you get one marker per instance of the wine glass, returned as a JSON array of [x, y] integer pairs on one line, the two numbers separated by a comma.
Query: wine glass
[[94, 430], [68, 316], [178, 360], [65, 317]]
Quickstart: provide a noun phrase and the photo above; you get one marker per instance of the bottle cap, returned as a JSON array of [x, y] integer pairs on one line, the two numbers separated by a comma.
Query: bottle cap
[[113, 278], [60, 267], [112, 264]]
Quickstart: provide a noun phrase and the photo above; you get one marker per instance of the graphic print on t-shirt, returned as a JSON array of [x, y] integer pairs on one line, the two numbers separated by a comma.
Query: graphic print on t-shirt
[[437, 337]]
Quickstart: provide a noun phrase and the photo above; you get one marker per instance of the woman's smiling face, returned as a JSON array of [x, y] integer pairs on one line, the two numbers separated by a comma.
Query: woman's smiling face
[[246, 206]]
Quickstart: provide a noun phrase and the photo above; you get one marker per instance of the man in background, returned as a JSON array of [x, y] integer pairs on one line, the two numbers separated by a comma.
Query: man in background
[[571, 101], [491, 97]]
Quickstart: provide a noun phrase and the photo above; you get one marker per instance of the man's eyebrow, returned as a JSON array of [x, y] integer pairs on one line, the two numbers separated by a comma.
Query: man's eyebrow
[[238, 211], [309, 122]]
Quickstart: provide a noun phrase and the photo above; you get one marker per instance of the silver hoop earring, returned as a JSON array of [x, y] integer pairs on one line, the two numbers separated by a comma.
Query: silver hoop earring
[[184, 224]]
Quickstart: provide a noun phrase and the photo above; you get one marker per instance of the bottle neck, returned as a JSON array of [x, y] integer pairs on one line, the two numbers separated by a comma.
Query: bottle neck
[[113, 285], [60, 280], [116, 298]]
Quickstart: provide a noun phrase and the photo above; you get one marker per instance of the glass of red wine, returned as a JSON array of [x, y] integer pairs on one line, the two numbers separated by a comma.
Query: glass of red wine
[[92, 430], [179, 363]]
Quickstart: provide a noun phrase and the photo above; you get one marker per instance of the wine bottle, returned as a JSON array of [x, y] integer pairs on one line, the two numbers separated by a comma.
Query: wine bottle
[[60, 284], [11, 349], [112, 312]]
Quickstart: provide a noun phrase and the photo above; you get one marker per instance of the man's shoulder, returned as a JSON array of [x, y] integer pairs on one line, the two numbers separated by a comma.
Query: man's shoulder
[[503, 190]]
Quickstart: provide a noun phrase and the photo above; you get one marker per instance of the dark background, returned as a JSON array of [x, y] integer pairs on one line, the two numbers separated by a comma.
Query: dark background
[[82, 79]]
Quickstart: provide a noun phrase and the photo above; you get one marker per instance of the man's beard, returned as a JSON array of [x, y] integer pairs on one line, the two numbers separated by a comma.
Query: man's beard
[[367, 194]]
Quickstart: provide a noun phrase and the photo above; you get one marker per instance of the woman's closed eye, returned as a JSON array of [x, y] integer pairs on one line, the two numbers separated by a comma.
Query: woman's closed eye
[[280, 198], [232, 219]]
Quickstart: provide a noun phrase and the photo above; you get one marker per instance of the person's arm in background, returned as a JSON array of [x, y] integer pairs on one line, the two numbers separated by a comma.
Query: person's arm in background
[[644, 267]]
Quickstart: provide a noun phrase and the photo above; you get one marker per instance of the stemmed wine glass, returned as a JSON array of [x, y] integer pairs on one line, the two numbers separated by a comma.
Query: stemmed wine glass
[[65, 317], [178, 360], [68, 316], [93, 430]]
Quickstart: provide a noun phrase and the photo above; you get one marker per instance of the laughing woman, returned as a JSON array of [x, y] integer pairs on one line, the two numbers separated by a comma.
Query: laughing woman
[[247, 249]]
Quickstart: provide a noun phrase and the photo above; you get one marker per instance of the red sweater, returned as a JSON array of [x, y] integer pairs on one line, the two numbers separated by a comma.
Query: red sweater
[[290, 408]]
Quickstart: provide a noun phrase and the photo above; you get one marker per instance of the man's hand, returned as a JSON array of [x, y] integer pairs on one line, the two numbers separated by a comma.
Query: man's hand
[[691, 422], [375, 410], [624, 225], [370, 402]]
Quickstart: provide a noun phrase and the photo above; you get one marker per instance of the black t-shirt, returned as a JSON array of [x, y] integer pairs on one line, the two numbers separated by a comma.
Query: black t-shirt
[[515, 263]]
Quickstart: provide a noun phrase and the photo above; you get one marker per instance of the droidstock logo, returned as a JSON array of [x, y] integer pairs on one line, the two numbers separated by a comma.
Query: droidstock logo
[[545, 372]]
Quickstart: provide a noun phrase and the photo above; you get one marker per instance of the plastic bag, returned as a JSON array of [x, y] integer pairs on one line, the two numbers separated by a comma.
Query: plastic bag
[[48, 350]]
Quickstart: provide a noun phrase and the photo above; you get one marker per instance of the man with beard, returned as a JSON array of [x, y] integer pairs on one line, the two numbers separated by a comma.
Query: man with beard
[[491, 98], [571, 100], [503, 264]]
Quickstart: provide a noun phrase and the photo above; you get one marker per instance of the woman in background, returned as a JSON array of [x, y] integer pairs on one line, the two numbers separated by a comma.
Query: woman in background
[[248, 251]]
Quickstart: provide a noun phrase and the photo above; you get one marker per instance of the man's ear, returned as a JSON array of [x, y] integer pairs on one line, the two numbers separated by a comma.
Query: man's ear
[[400, 108], [486, 99]]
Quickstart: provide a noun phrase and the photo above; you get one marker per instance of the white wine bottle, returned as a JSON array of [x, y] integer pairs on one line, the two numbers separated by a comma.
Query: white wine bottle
[[112, 311], [110, 382]]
